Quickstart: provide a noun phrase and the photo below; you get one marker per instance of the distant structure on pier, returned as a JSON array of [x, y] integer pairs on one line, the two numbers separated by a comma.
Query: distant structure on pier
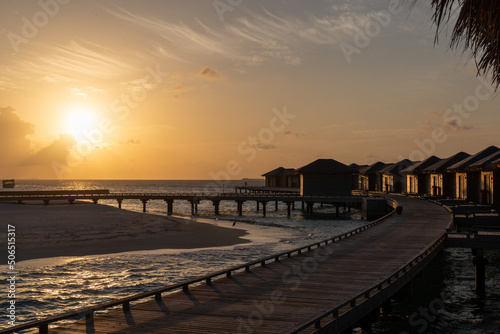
[[326, 177], [282, 178]]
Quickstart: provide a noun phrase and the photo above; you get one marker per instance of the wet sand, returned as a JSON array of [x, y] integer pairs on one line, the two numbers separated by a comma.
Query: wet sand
[[88, 229]]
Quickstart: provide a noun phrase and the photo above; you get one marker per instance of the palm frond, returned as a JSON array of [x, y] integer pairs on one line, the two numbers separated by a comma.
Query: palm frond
[[477, 28]]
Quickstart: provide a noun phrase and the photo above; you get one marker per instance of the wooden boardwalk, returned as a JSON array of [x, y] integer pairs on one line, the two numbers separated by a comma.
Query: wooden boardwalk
[[282, 297]]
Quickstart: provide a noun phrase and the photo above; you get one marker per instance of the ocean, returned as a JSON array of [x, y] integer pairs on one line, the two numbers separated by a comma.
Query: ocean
[[46, 287]]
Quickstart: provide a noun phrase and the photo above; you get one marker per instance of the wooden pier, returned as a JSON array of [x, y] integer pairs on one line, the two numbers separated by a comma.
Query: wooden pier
[[261, 200], [326, 287]]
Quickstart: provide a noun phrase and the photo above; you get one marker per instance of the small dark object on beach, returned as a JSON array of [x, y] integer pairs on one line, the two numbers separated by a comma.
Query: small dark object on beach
[[399, 210], [234, 223]]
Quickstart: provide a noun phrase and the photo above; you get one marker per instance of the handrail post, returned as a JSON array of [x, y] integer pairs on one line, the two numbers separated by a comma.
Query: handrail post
[[89, 319], [43, 328]]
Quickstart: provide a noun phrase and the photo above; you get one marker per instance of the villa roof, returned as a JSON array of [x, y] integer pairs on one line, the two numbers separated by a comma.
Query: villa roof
[[462, 165], [280, 171], [396, 168], [374, 168], [325, 166], [484, 163], [440, 166], [357, 167], [493, 165], [420, 166]]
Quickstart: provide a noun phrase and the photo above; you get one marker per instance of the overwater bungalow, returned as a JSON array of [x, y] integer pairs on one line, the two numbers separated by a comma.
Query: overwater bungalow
[[467, 183], [282, 178], [418, 182], [486, 177], [392, 179], [355, 176], [369, 177], [325, 177], [443, 181], [493, 177]]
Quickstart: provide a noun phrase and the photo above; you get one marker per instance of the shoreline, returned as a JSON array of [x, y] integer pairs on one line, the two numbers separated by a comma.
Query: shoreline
[[87, 229]]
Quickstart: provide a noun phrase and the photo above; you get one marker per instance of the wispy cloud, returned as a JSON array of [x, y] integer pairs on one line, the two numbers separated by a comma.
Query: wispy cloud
[[72, 63], [210, 74]]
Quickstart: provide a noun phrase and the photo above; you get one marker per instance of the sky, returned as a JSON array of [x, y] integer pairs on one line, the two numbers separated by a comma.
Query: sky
[[185, 89]]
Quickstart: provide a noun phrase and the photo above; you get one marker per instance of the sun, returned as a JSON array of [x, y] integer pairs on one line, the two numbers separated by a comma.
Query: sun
[[80, 120]]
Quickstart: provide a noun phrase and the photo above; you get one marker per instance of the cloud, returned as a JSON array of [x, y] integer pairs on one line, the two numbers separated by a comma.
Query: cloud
[[14, 133], [209, 73], [261, 146], [17, 146], [71, 63], [57, 151], [296, 134], [444, 121], [254, 37], [131, 142]]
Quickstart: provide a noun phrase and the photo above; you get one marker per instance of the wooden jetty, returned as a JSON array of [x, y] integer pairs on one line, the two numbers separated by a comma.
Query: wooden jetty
[[261, 200], [326, 287]]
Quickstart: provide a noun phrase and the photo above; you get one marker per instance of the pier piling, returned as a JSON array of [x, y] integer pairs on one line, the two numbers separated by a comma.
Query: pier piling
[[264, 204], [170, 206], [480, 264], [144, 201], [216, 204]]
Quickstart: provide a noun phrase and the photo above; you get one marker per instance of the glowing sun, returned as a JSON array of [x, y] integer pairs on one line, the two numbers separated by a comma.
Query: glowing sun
[[79, 121]]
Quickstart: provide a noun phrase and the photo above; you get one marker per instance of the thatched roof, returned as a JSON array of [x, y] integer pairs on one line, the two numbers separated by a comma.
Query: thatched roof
[[420, 166], [374, 168], [477, 29], [397, 167], [483, 164], [440, 166], [462, 165], [325, 166], [280, 171]]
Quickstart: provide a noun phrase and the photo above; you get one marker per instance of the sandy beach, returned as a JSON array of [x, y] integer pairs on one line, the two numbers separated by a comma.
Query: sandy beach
[[88, 229]]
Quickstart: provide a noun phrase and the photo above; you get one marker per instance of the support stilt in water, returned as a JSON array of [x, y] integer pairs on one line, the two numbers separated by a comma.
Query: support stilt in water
[[119, 200], [144, 201], [170, 206], [192, 207], [367, 322], [264, 204], [216, 204], [258, 206], [288, 209], [276, 206], [240, 207], [480, 264], [387, 307]]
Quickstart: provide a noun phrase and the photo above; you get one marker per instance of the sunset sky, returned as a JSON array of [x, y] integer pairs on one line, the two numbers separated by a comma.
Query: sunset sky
[[184, 89]]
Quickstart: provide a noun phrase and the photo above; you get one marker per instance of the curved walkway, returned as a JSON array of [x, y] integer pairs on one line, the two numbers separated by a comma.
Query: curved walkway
[[280, 296]]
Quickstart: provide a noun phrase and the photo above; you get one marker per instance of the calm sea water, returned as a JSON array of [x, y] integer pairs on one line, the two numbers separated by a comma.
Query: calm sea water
[[51, 286]]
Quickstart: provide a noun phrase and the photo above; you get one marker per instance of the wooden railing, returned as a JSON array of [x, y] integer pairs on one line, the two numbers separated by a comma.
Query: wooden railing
[[43, 324], [385, 288]]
